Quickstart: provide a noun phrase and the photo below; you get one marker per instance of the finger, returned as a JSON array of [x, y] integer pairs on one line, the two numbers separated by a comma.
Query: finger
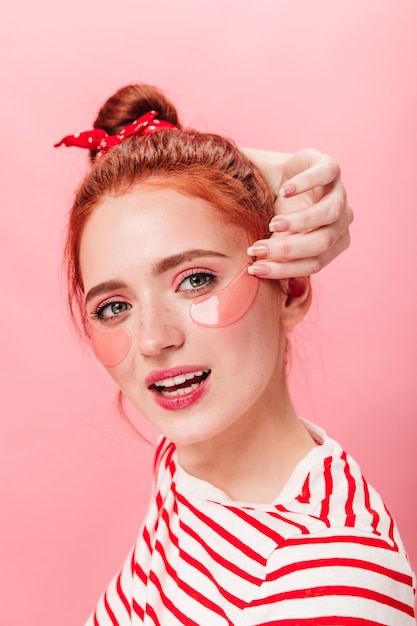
[[301, 267], [318, 174], [303, 245], [300, 245], [332, 209]]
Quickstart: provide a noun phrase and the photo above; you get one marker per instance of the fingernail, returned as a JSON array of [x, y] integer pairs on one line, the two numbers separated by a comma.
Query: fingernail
[[258, 270], [261, 251], [279, 225], [287, 190]]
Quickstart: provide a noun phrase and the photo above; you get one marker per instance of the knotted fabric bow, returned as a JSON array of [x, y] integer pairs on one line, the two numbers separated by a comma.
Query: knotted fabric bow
[[100, 141]]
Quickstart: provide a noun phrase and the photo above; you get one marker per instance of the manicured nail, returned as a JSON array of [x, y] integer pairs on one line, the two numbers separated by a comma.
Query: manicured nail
[[287, 190], [258, 270], [279, 225], [260, 251]]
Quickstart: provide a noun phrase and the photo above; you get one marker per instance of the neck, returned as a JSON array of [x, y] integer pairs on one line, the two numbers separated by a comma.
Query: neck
[[252, 460]]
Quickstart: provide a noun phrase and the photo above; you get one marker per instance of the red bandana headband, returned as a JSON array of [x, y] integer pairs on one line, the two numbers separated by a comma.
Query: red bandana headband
[[100, 141]]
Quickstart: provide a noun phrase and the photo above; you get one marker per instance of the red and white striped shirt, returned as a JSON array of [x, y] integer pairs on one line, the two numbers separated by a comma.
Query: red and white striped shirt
[[326, 552]]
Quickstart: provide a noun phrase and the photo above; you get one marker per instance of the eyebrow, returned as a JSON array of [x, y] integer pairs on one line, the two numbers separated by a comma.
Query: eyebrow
[[183, 257], [108, 285], [159, 268]]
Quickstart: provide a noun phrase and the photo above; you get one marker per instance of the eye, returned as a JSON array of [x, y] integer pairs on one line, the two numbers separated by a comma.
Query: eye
[[196, 281], [110, 310]]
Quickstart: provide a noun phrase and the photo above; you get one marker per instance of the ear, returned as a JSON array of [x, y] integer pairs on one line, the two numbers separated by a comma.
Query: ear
[[296, 302]]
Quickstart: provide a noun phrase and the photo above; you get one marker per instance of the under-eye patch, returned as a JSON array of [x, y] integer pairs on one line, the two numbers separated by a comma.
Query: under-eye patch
[[226, 306], [111, 347]]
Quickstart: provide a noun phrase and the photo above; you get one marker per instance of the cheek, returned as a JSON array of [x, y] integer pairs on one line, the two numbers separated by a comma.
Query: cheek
[[258, 333], [111, 347], [228, 305]]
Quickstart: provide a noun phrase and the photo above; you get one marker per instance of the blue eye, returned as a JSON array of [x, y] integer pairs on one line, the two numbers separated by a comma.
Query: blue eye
[[196, 281], [111, 310]]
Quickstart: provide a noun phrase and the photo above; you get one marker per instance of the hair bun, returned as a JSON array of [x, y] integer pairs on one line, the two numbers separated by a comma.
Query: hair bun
[[131, 102]]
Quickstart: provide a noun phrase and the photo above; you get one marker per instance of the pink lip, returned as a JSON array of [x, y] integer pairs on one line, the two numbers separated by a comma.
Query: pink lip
[[180, 402], [177, 403], [156, 375]]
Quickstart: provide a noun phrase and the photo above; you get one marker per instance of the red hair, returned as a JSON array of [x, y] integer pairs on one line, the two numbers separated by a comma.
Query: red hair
[[195, 164]]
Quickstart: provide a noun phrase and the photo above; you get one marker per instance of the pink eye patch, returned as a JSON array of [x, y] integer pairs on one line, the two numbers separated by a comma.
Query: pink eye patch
[[111, 347], [227, 305]]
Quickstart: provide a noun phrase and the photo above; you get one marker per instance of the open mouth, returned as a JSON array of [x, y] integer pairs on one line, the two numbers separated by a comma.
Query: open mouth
[[180, 385]]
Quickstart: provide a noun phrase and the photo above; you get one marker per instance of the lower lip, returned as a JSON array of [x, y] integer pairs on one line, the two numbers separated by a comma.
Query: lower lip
[[176, 403]]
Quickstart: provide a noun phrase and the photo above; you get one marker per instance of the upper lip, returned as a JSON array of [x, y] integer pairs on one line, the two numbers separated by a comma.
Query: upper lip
[[172, 372]]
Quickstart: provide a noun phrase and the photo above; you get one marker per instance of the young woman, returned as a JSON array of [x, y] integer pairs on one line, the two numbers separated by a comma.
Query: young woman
[[256, 517]]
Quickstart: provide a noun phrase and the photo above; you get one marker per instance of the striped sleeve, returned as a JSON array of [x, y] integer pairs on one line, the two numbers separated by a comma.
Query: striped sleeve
[[338, 579]]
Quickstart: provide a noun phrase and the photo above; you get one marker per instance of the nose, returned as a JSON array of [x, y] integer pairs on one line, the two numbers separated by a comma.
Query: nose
[[160, 329]]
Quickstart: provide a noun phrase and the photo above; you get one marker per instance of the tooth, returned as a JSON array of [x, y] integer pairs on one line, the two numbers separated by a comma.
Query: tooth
[[180, 392], [179, 380]]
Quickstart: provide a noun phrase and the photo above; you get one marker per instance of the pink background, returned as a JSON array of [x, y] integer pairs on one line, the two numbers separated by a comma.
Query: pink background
[[337, 75]]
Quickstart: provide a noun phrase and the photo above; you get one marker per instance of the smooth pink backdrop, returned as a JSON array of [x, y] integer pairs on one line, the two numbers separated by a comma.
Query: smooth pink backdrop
[[279, 74]]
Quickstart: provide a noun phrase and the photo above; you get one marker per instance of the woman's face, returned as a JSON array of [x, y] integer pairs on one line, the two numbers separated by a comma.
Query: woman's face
[[145, 259]]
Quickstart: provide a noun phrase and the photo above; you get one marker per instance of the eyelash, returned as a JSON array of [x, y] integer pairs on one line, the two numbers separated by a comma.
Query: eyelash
[[97, 313], [212, 279]]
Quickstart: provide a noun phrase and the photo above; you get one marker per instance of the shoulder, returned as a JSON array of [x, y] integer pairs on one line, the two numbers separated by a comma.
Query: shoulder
[[336, 492], [348, 549], [348, 574]]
